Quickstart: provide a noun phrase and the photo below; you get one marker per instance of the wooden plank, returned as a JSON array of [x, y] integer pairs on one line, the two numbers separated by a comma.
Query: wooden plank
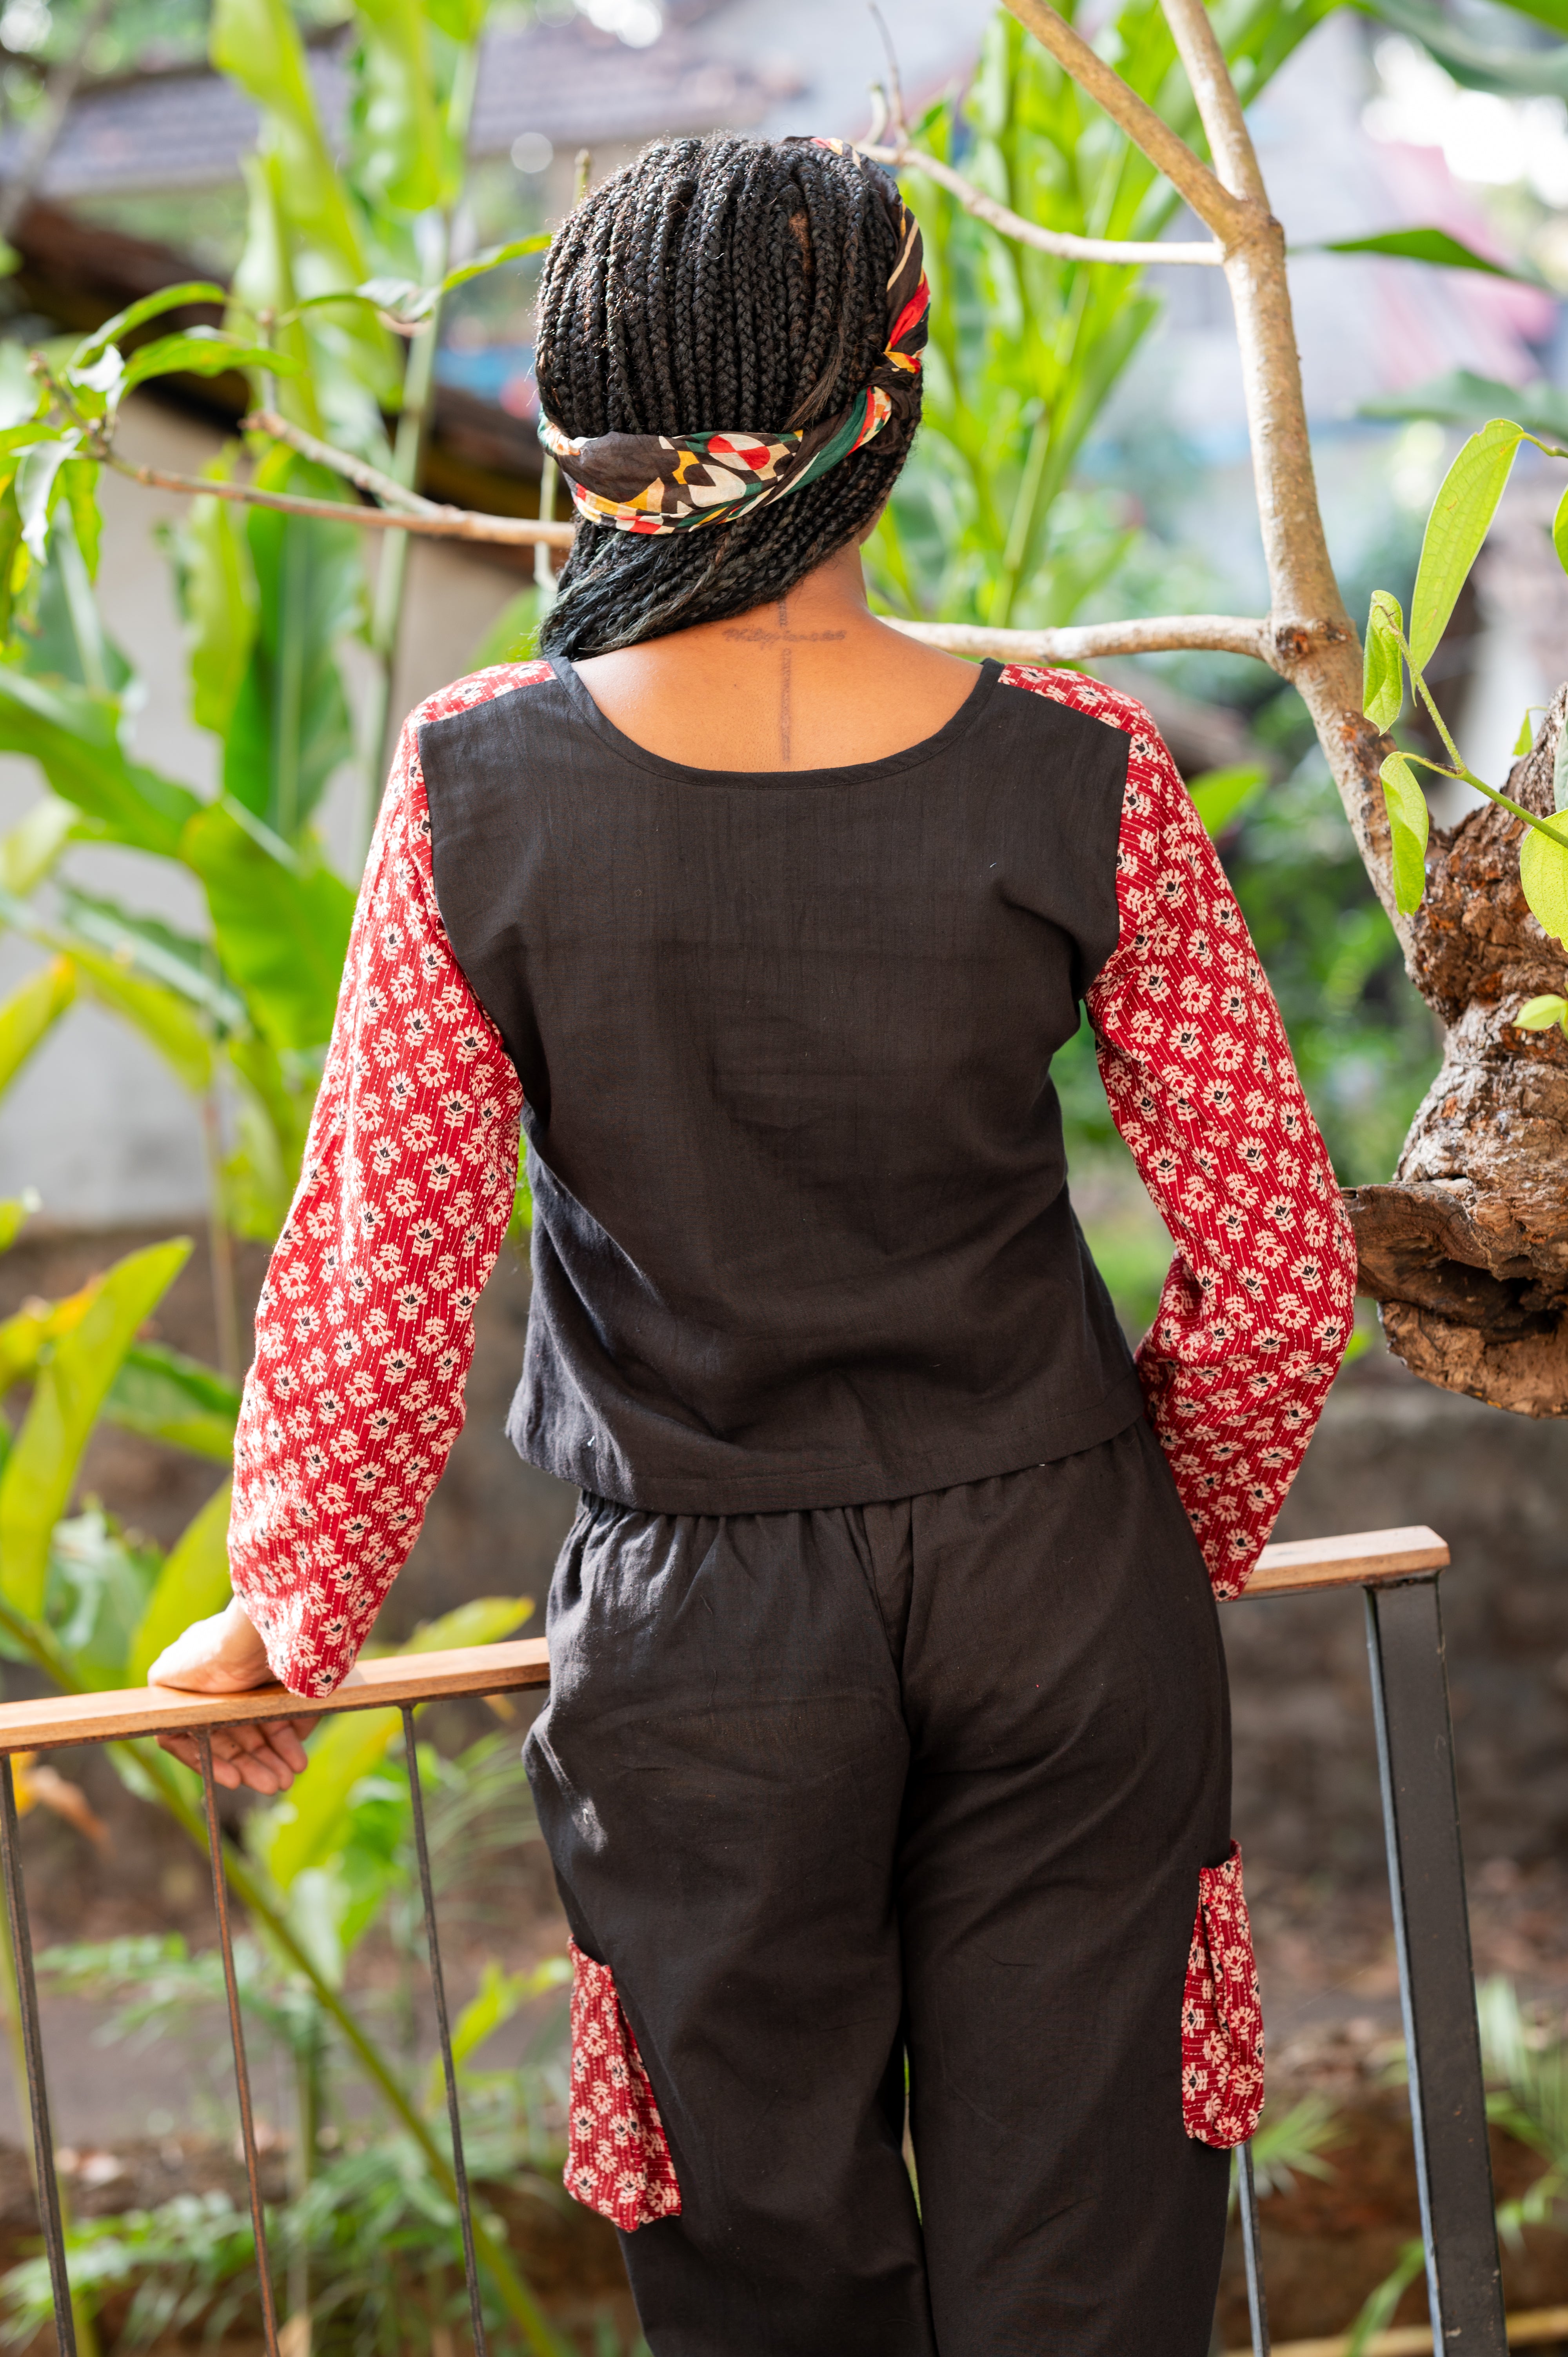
[[55, 1719], [1360, 1560]]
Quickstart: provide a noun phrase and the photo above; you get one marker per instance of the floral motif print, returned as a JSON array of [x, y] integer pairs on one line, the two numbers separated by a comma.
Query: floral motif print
[[617, 2157], [365, 1327], [364, 1331], [1255, 1312], [1223, 2014]]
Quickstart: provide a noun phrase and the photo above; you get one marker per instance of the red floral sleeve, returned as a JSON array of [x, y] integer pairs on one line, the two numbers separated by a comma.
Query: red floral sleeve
[[1256, 1310], [365, 1326]]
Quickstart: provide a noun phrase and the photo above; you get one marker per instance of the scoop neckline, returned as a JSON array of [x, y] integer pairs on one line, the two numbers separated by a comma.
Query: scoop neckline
[[843, 773]]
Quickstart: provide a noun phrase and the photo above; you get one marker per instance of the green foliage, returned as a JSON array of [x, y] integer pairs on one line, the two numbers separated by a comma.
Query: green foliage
[[1435, 246], [1288, 2144], [31, 1014], [1409, 823], [1460, 520], [192, 1585]]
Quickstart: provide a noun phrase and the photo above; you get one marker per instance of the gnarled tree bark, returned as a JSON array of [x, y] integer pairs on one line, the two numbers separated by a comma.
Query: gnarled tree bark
[[1466, 1251]]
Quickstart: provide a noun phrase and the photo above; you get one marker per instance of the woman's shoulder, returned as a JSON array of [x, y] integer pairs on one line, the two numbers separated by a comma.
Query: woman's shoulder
[[1082, 694], [479, 687]]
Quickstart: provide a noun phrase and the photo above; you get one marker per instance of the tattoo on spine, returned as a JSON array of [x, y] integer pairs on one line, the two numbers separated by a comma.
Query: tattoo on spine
[[784, 639]]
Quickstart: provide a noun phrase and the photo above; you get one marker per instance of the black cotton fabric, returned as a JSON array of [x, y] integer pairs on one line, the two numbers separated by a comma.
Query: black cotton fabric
[[933, 1777], [802, 1227]]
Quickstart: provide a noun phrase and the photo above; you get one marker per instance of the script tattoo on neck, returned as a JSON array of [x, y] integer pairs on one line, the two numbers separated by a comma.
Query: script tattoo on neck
[[782, 637]]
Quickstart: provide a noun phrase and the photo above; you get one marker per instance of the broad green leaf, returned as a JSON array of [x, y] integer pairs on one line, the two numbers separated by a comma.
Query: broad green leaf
[[1221, 795], [37, 478], [400, 150], [24, 1335], [290, 726], [150, 306], [1543, 872], [15, 562], [217, 585], [311, 1825], [516, 250], [1560, 770], [74, 737], [461, 20], [1409, 822], [164, 1019], [1382, 690], [20, 392], [205, 351], [1524, 740], [1559, 531], [146, 946], [15, 1210], [1541, 1014], [282, 936], [166, 1396], [193, 1584], [1461, 398], [30, 1013], [1429, 245], [66, 1395], [1460, 520]]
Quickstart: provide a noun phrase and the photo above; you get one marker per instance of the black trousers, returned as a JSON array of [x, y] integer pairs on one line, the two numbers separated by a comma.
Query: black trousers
[[922, 1784]]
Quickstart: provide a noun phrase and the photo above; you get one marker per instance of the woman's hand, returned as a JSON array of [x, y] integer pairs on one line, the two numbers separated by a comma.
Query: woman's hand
[[224, 1655]]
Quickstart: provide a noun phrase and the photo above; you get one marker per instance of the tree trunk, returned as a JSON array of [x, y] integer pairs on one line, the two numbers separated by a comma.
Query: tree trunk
[[1467, 1251]]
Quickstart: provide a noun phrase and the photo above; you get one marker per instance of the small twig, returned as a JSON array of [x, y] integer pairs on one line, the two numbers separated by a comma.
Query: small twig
[[1231, 634], [1063, 243], [1231, 217], [438, 524], [391, 494], [895, 85]]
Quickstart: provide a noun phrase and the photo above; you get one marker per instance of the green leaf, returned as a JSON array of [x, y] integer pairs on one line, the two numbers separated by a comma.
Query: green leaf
[[1559, 531], [283, 936], [1429, 245], [1516, 72], [71, 1387], [1524, 740], [37, 478], [205, 352], [1541, 1014], [150, 306], [1383, 693], [1409, 822], [30, 1013], [1220, 796], [15, 1210], [1560, 770], [513, 634], [166, 1396], [216, 581], [74, 737], [1460, 398], [145, 945], [1543, 872], [1460, 520], [399, 145], [493, 258], [312, 1825], [193, 1584], [164, 1019]]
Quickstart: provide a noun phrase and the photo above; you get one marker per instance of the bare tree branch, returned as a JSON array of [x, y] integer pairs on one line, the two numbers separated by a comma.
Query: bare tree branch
[[1230, 217], [1062, 243], [1218, 101], [354, 470], [431, 522], [1229, 634]]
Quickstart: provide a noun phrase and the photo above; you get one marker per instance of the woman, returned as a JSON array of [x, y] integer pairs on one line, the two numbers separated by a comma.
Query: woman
[[886, 1740]]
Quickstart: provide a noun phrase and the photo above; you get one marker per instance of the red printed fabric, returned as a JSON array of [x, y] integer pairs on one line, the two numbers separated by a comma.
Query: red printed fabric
[[365, 1327], [1223, 2014], [617, 2159], [1256, 1310]]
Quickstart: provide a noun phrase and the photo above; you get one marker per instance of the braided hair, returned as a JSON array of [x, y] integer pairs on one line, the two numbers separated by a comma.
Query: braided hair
[[718, 282]]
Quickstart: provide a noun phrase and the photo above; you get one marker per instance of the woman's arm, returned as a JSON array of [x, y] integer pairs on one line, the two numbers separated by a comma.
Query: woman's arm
[[1256, 1310], [365, 1326]]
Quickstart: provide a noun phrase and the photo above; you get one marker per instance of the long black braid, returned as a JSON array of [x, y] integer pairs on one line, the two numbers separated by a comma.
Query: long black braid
[[718, 283]]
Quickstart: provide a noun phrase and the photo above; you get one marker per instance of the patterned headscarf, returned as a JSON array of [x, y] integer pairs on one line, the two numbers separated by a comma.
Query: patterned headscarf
[[659, 482]]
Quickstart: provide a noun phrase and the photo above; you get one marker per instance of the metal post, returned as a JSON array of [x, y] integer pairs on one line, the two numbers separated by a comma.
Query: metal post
[[237, 2040], [32, 2047], [1437, 1988], [1257, 2301], [448, 2066]]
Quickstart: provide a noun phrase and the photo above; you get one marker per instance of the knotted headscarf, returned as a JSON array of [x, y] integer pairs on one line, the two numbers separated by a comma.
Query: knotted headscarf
[[661, 482]]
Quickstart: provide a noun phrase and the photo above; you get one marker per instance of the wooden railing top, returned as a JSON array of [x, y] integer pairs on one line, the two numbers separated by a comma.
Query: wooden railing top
[[1362, 1559]]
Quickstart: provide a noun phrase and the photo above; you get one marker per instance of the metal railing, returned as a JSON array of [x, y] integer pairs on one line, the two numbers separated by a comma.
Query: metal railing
[[1397, 1573]]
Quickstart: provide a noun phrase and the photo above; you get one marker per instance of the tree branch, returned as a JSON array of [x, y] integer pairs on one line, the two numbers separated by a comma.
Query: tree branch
[[1062, 243], [1229, 634], [1218, 101], [391, 493], [1229, 217], [437, 523]]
